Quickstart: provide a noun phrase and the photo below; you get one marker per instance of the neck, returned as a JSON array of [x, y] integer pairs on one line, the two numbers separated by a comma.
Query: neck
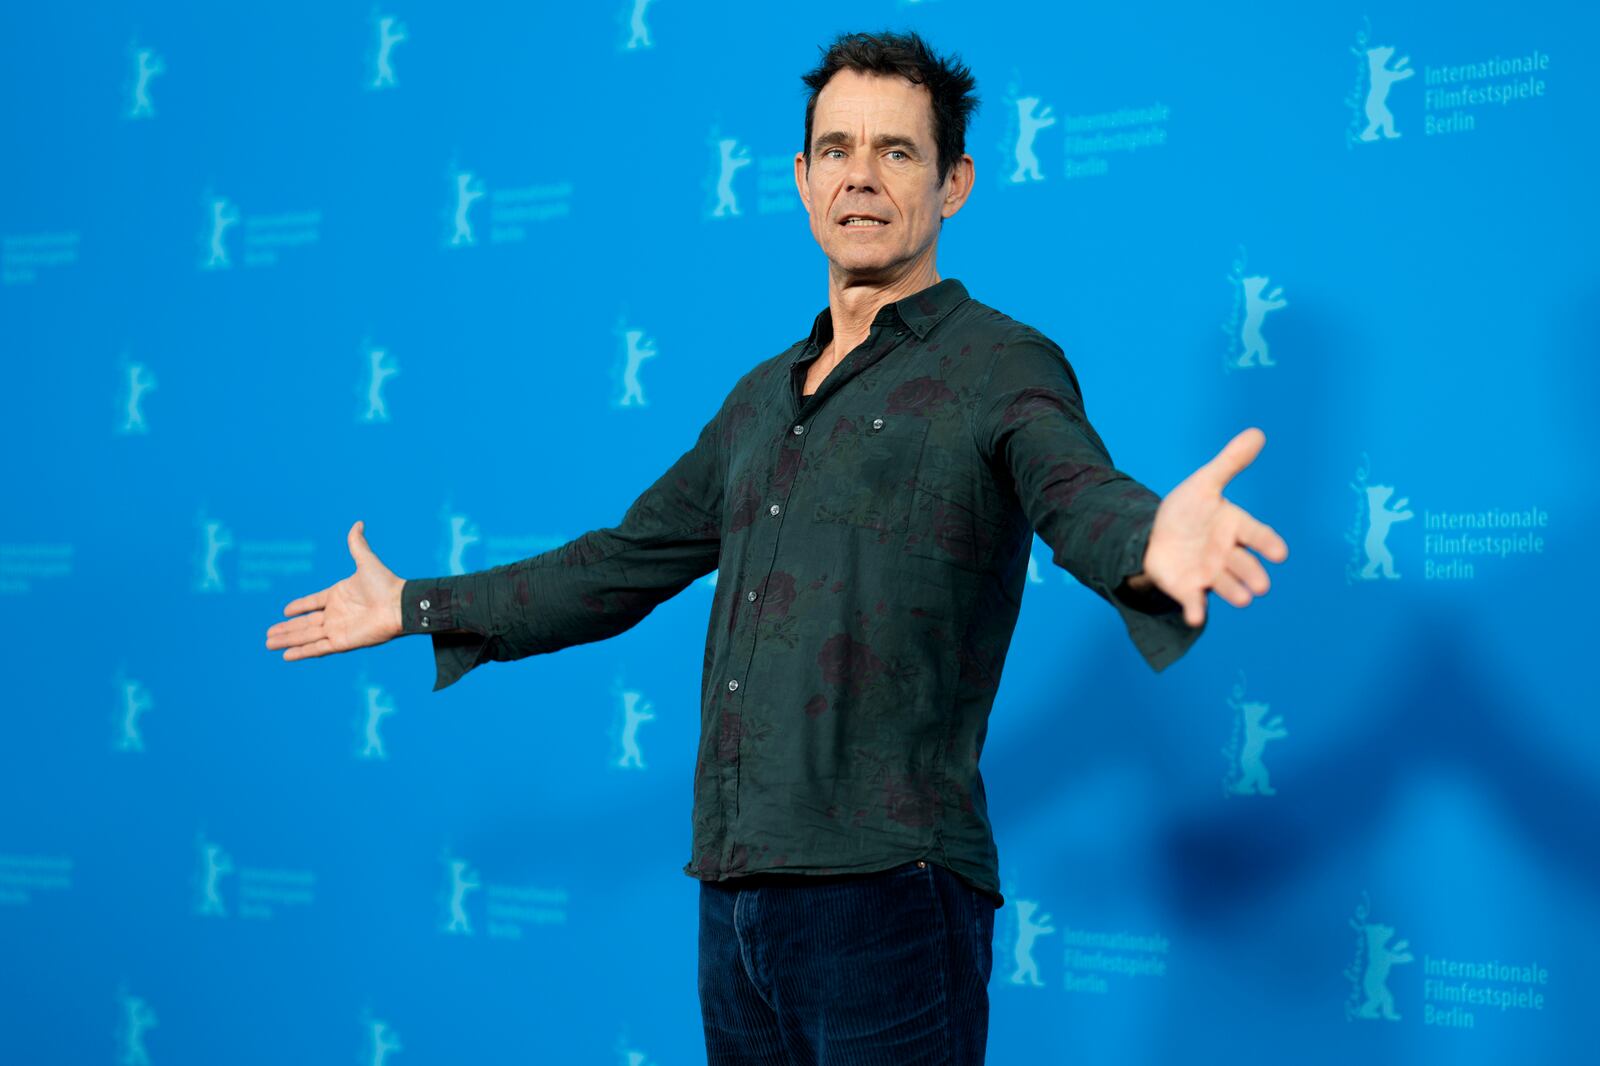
[[854, 303]]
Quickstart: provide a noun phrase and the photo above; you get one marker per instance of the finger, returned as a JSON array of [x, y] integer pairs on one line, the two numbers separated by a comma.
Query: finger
[[1231, 589], [309, 651], [300, 634], [292, 624], [314, 602], [1194, 606], [297, 631], [1237, 454], [1254, 533], [1249, 572]]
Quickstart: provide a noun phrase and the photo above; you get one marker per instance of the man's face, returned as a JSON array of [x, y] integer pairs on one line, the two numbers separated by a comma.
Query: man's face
[[873, 155]]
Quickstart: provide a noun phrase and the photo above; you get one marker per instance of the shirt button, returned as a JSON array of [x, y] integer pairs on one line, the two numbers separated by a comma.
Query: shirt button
[[750, 595], [424, 621], [773, 509], [899, 332], [424, 605], [877, 423], [733, 686], [799, 430], [921, 865]]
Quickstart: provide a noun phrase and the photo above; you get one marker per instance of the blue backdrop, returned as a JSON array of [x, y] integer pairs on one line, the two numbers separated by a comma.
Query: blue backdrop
[[267, 269]]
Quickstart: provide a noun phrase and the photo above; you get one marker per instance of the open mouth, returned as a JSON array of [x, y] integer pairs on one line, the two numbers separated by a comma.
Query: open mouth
[[858, 221]]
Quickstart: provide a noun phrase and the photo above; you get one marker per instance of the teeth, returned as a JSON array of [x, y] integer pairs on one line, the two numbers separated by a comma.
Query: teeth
[[862, 222]]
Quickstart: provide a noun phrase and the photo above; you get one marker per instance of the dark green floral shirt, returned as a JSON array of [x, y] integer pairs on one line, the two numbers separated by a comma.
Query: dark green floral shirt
[[871, 543]]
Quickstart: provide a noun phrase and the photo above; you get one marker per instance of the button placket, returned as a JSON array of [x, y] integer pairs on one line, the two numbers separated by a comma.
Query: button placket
[[751, 635]]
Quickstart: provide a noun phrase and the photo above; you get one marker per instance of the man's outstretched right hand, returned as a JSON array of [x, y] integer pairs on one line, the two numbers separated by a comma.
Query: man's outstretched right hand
[[358, 612]]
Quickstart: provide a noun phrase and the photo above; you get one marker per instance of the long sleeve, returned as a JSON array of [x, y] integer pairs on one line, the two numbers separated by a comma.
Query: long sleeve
[[1095, 518], [593, 587]]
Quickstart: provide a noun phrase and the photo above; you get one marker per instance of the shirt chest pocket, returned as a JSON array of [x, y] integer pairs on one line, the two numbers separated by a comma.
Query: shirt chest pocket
[[865, 471]]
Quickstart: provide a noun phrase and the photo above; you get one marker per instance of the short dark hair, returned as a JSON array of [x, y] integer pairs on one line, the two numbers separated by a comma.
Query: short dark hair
[[950, 83]]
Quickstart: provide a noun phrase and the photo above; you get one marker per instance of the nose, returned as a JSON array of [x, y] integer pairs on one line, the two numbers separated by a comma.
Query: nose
[[863, 173]]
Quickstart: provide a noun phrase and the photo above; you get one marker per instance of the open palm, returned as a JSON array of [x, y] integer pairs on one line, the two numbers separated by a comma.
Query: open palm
[[1201, 541], [358, 612]]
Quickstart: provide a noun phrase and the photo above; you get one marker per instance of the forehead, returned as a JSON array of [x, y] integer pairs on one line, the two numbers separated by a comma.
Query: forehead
[[879, 102]]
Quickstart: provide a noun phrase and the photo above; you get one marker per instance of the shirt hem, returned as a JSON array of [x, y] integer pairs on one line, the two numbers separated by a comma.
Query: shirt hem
[[796, 874]]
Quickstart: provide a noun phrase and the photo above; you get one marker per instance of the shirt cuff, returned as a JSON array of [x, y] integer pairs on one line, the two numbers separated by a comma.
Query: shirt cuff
[[426, 607], [1154, 619], [429, 606]]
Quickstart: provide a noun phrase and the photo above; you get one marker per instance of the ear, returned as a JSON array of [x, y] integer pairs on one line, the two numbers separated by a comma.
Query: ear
[[958, 185], [800, 180]]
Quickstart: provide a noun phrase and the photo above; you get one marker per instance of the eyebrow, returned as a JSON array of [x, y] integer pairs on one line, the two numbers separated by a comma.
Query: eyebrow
[[883, 140]]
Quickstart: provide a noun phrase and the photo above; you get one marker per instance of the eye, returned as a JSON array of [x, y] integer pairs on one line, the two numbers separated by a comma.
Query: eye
[[830, 151], [896, 151]]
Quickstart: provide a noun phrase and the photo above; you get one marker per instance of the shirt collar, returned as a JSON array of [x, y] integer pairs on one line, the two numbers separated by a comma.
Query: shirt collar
[[920, 311]]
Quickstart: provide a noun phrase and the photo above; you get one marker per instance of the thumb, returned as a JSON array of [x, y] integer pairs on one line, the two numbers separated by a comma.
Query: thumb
[[359, 551]]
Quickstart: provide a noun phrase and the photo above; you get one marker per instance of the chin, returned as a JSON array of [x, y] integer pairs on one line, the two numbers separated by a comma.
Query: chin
[[864, 260]]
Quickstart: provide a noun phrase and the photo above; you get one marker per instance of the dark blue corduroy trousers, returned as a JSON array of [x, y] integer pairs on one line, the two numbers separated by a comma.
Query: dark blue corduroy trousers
[[880, 969]]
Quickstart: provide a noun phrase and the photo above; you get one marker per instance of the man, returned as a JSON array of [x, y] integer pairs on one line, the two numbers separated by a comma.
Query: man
[[868, 497]]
